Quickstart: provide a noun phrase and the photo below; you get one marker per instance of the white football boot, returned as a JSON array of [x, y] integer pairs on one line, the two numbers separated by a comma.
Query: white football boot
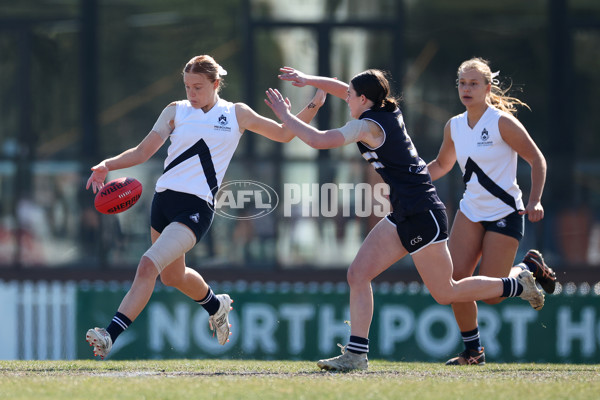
[[100, 340], [531, 293], [348, 361], [219, 321]]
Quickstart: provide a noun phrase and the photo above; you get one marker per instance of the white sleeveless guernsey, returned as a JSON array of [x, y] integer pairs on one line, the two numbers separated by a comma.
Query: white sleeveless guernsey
[[489, 167], [202, 145]]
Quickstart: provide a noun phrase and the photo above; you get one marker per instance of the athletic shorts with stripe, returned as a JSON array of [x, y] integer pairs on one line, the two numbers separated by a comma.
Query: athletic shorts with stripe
[[418, 231]]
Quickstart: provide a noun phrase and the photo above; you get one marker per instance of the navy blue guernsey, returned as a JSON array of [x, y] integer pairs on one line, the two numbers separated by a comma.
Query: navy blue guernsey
[[399, 164]]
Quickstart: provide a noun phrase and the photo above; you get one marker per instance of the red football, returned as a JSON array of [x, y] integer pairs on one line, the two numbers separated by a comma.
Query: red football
[[118, 195]]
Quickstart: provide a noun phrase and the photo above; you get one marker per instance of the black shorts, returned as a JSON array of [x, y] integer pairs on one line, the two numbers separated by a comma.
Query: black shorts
[[420, 230], [512, 225], [190, 210]]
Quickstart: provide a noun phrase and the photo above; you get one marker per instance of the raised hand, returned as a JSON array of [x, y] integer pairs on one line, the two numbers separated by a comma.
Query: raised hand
[[280, 106], [292, 75]]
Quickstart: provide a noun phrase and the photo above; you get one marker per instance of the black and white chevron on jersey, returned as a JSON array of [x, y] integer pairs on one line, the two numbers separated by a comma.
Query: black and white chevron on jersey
[[471, 168], [202, 145], [489, 167], [201, 150]]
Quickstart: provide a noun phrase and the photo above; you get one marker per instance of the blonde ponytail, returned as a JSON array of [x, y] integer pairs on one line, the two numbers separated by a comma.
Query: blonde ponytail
[[498, 97]]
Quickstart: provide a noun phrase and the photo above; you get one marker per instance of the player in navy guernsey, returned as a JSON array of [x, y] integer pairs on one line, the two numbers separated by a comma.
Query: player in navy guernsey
[[417, 224], [486, 141], [204, 131], [398, 163]]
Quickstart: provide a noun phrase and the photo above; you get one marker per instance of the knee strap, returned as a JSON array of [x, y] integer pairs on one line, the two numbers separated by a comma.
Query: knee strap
[[174, 241]]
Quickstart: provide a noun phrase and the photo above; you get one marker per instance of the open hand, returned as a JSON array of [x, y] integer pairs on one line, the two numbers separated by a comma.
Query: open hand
[[280, 106], [293, 75]]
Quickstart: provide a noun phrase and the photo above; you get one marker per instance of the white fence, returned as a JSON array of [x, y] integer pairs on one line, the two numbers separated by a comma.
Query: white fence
[[37, 320]]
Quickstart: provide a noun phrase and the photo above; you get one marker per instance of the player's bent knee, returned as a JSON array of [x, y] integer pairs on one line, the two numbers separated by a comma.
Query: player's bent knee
[[171, 279], [494, 301], [354, 276], [458, 275], [442, 298], [443, 301], [174, 241]]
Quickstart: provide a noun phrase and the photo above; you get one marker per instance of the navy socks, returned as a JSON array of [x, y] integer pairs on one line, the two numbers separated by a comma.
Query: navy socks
[[210, 302], [118, 324], [358, 345], [512, 287]]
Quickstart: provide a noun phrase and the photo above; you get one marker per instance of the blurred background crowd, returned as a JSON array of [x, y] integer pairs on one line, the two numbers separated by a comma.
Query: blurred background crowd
[[83, 80]]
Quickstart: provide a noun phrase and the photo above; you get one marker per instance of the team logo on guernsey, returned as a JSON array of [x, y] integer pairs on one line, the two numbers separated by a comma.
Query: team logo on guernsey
[[223, 124], [485, 135]]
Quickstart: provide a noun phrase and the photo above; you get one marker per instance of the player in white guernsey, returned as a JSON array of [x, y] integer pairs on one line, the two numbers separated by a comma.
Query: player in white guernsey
[[486, 141], [204, 131], [417, 224]]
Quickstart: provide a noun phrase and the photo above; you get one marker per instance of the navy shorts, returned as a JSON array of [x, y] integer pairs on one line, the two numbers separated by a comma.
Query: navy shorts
[[420, 230], [512, 225], [192, 211]]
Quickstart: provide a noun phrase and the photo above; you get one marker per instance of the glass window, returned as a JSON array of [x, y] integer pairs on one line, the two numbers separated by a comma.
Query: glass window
[[47, 218]]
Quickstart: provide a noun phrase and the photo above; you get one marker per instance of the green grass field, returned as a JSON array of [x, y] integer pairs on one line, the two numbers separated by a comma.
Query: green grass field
[[243, 379]]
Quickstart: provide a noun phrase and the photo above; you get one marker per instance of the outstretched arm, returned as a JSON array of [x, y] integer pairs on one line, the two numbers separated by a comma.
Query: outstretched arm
[[314, 138], [136, 155], [248, 119], [300, 79], [252, 121]]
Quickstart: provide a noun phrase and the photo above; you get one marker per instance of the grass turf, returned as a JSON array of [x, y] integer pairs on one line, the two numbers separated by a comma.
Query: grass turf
[[249, 379]]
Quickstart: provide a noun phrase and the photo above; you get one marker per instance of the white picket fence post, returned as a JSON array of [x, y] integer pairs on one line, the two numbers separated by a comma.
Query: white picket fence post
[[38, 320], [9, 291]]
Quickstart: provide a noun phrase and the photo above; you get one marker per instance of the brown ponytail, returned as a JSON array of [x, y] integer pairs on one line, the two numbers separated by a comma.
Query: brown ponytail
[[374, 85]]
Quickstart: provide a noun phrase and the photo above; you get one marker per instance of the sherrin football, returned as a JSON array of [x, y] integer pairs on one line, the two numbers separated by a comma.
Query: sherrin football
[[118, 195]]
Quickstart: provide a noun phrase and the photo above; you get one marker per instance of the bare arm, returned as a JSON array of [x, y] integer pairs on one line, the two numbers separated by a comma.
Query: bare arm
[[446, 157], [315, 138], [250, 120], [134, 156], [329, 85], [517, 137], [308, 113]]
